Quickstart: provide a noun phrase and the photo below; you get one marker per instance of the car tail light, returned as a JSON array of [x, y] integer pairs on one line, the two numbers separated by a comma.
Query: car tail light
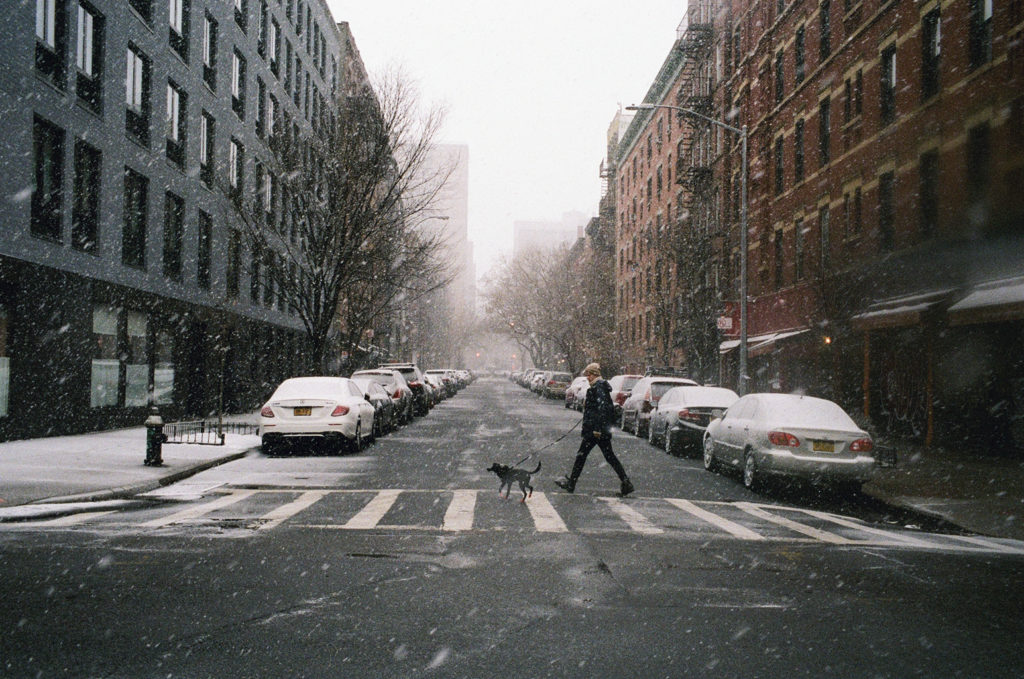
[[397, 394], [339, 411], [620, 398], [781, 438], [266, 412], [414, 384], [685, 414], [862, 446], [551, 383]]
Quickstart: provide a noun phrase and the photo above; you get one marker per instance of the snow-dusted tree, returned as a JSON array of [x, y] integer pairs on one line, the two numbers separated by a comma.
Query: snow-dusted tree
[[336, 221]]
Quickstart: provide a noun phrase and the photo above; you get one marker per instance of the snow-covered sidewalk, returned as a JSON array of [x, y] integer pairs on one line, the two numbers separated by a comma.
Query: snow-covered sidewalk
[[97, 466]]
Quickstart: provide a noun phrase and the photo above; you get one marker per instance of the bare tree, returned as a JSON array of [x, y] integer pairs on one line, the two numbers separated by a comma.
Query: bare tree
[[352, 194]]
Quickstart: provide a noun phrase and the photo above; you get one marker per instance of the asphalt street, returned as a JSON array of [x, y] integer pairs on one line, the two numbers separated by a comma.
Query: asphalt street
[[402, 560]]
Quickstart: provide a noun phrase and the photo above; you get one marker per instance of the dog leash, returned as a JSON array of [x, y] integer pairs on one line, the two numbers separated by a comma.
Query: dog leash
[[550, 444]]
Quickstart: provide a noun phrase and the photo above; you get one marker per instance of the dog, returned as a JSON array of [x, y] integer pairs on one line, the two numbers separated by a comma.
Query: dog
[[509, 474]]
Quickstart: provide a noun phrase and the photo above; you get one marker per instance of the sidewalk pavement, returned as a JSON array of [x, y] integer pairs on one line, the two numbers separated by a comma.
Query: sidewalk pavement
[[62, 475], [68, 474]]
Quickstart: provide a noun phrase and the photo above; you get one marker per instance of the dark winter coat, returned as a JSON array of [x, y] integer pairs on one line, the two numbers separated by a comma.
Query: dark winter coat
[[598, 411]]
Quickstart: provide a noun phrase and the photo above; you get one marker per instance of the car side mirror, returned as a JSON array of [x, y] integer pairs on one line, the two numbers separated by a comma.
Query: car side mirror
[[368, 399]]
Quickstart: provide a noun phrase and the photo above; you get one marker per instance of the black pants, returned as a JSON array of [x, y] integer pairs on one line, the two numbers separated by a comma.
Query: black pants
[[605, 444]]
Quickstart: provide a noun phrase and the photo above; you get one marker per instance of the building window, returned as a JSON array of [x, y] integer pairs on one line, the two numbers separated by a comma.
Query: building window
[[238, 84], [931, 39], [886, 209], [978, 164], [89, 57], [51, 40], [825, 30], [144, 8], [85, 212], [206, 146], [887, 97], [928, 192], [261, 107], [798, 233], [47, 196], [800, 54], [133, 240], [236, 164], [137, 96], [234, 263], [106, 364], [174, 227], [204, 251], [177, 118], [779, 260], [779, 82], [261, 39], [798, 146], [825, 131], [254, 274], [210, 51], [779, 167], [241, 14], [179, 24], [273, 41], [825, 235], [980, 32], [271, 114]]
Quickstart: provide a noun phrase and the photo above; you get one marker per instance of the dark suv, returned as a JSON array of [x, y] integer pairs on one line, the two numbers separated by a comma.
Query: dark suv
[[413, 376]]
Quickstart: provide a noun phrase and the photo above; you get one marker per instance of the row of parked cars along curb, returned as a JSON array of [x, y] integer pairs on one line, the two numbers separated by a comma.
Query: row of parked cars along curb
[[348, 413], [761, 435]]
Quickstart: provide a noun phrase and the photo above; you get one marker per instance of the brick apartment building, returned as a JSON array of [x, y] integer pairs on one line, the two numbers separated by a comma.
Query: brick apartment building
[[122, 280], [886, 218]]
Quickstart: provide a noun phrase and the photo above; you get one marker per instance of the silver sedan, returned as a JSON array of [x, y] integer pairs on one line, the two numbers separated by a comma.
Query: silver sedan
[[683, 415], [789, 435]]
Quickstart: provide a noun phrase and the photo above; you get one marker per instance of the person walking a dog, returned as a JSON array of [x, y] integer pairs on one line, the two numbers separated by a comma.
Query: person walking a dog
[[598, 415]]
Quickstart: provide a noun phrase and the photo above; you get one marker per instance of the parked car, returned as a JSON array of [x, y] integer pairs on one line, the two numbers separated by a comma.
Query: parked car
[[414, 378], [435, 387], [576, 392], [621, 386], [789, 435], [537, 382], [643, 398], [683, 414], [395, 384], [554, 384], [331, 409], [384, 411], [448, 379]]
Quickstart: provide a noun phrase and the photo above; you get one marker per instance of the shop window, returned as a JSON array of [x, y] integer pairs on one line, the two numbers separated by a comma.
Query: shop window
[[106, 365], [163, 367], [136, 386], [5, 362]]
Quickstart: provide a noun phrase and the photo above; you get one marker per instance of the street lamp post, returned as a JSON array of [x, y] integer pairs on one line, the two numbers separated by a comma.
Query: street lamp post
[[742, 131]]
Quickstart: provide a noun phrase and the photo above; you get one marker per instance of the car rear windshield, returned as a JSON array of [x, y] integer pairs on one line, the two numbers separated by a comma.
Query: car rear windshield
[[311, 387], [562, 377], [658, 389], [628, 382], [810, 413]]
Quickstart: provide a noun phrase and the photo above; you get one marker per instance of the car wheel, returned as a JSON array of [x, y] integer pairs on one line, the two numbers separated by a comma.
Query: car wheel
[[652, 436], [269, 447], [641, 427], [710, 463], [357, 442], [622, 421], [668, 441], [751, 479]]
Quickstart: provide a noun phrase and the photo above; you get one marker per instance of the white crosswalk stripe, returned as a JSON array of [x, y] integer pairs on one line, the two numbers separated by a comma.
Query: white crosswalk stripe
[[462, 511]]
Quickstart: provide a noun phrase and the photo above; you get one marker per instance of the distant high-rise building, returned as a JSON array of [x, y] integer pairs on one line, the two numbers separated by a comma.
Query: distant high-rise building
[[547, 235]]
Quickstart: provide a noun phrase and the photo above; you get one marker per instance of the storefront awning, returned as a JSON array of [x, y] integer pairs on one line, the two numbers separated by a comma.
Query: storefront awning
[[772, 342], [899, 312], [991, 302], [759, 344]]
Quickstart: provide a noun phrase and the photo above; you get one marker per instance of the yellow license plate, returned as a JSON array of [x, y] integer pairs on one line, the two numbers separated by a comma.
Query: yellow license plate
[[823, 446], [306, 410]]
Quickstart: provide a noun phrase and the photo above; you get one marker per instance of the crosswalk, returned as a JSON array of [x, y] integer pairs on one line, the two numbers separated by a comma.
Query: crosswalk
[[248, 511]]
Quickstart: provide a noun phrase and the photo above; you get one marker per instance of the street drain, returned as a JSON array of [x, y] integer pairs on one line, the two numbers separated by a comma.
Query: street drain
[[370, 555]]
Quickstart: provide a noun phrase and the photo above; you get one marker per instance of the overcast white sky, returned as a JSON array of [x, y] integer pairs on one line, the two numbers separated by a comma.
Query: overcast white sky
[[530, 86]]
